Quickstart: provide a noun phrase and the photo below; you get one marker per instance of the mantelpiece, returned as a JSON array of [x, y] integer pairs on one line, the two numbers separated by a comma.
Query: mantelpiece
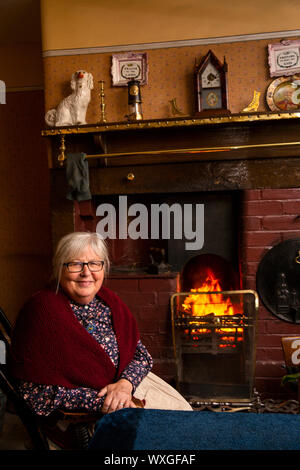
[[230, 137]]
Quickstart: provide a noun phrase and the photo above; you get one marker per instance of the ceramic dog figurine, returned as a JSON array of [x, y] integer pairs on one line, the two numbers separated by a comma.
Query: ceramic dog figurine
[[72, 109]]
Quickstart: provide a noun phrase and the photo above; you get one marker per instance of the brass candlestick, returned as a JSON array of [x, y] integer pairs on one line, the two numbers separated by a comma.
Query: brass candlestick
[[102, 102]]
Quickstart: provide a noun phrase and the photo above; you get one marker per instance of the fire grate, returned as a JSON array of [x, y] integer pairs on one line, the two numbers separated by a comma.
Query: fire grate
[[214, 344], [213, 334]]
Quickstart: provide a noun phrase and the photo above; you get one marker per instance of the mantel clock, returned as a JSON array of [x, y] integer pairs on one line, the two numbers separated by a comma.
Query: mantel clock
[[211, 86]]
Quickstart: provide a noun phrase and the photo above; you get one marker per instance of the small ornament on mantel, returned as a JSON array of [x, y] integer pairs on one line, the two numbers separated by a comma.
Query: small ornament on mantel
[[211, 86], [175, 109], [254, 105], [71, 111], [134, 101]]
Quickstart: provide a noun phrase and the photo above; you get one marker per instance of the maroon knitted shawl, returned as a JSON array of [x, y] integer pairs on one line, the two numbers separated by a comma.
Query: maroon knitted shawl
[[50, 346]]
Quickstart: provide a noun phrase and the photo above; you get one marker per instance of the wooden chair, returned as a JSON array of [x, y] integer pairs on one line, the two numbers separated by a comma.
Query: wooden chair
[[5, 324], [291, 352], [27, 417], [66, 429]]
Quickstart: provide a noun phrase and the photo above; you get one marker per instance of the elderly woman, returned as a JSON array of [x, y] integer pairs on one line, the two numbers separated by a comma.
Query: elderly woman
[[77, 346]]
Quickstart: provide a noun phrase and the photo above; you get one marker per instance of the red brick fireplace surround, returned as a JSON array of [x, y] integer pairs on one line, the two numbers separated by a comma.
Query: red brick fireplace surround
[[269, 216], [265, 179]]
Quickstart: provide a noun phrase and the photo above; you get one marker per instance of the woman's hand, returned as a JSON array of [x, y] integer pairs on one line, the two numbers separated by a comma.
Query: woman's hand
[[118, 396]]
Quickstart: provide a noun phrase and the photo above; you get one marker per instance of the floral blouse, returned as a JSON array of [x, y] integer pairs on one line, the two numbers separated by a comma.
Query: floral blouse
[[95, 317]]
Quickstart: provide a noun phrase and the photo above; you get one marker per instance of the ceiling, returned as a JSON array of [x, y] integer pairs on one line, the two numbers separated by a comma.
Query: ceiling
[[20, 22]]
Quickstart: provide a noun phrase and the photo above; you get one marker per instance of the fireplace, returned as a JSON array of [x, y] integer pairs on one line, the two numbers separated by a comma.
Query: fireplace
[[213, 327], [214, 333], [237, 179]]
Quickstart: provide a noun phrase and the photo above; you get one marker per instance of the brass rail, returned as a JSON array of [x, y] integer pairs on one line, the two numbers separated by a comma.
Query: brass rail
[[190, 151]]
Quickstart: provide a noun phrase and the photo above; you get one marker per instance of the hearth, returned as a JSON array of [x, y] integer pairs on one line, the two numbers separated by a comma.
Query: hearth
[[214, 333], [213, 318]]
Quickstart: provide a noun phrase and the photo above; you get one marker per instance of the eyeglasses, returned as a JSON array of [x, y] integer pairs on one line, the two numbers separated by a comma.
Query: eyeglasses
[[78, 266]]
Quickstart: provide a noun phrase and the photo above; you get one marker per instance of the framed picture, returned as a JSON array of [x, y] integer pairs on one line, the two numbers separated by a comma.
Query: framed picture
[[284, 58], [129, 66]]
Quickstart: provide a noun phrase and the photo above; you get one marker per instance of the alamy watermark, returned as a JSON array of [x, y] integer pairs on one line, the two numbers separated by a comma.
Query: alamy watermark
[[180, 221], [2, 92]]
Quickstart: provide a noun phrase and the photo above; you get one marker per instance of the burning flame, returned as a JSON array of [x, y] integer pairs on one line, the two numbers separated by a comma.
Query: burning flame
[[212, 303], [208, 303]]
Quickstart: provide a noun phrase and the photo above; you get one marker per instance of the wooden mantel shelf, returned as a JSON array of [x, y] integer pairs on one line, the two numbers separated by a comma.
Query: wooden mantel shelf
[[171, 123], [228, 137]]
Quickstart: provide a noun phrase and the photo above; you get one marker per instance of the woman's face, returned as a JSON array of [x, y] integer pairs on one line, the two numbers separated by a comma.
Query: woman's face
[[83, 286]]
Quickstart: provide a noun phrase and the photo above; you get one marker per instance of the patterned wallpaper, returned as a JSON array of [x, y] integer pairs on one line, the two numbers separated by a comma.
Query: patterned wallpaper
[[25, 231], [170, 76]]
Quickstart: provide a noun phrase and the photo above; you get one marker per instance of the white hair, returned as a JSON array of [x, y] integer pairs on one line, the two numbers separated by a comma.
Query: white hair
[[72, 245]]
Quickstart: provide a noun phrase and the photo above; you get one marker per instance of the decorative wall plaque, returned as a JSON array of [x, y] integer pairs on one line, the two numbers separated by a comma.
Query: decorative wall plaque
[[129, 66], [284, 58]]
